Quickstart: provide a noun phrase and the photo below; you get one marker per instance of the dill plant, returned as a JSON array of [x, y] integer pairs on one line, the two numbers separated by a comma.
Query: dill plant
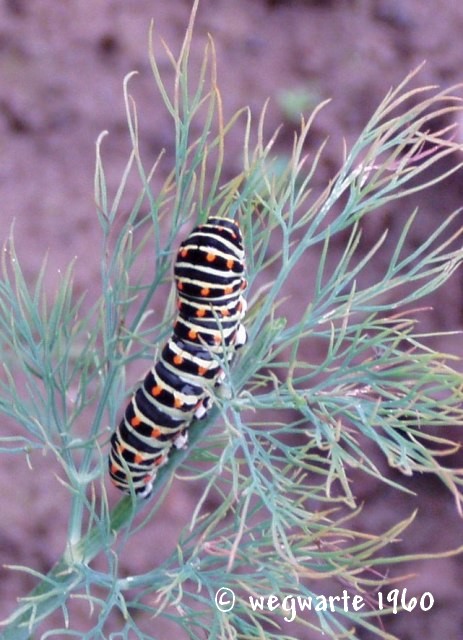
[[281, 524]]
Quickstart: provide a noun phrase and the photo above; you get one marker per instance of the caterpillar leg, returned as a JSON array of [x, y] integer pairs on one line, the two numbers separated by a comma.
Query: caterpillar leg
[[146, 492], [241, 336], [220, 378], [181, 440], [151, 476], [203, 407]]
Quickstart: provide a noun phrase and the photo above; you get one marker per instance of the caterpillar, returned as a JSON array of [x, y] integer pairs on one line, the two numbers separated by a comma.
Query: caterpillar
[[209, 274]]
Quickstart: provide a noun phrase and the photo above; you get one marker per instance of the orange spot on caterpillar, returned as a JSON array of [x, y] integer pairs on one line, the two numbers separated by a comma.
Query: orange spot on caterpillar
[[155, 433], [200, 313], [228, 290], [192, 334], [205, 292], [138, 458], [178, 404], [230, 264], [184, 252], [210, 257], [135, 422], [156, 390], [178, 360], [202, 371]]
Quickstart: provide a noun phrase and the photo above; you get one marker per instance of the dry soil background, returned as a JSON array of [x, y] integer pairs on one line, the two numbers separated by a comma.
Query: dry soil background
[[61, 71]]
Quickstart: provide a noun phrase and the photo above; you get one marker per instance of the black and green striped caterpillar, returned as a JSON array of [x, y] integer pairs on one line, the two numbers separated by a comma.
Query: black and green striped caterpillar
[[209, 273]]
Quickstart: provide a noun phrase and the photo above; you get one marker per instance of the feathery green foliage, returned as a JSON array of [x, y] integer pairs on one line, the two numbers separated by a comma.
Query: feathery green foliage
[[282, 484]]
